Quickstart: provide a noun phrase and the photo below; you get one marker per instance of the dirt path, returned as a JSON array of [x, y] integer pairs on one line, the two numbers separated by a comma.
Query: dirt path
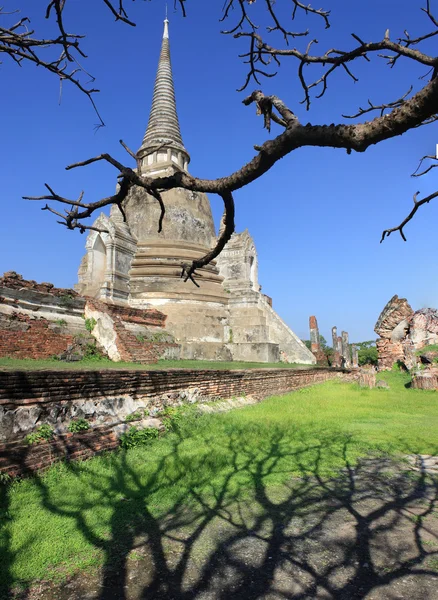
[[371, 533]]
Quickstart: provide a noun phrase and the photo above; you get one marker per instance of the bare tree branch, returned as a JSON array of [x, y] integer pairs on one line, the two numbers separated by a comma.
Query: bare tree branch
[[429, 168], [417, 204], [381, 107], [18, 42], [395, 116]]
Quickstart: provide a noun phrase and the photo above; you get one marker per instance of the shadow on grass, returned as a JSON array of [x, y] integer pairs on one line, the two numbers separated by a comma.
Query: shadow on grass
[[241, 537]]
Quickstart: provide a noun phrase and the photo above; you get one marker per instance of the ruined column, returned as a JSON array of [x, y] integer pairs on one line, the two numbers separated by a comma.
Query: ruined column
[[354, 357], [345, 350], [315, 345], [336, 360]]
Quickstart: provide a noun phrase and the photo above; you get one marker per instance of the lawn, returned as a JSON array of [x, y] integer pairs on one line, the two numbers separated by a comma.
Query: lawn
[[81, 516], [15, 364]]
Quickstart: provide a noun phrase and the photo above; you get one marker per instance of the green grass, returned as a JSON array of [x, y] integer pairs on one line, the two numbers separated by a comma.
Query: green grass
[[14, 364], [431, 348], [78, 516]]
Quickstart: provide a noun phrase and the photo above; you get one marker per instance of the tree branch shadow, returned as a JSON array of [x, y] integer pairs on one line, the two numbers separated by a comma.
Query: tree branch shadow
[[242, 535]]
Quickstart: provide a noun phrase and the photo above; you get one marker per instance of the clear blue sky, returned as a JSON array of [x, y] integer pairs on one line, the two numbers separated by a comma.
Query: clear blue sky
[[316, 217]]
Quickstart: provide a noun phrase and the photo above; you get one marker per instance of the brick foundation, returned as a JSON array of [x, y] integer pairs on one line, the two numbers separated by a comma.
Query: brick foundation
[[50, 390]]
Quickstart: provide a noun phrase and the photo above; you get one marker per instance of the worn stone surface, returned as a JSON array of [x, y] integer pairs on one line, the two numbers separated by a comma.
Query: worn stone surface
[[403, 332], [354, 356], [426, 379], [345, 356], [423, 327], [315, 344], [396, 311], [367, 377]]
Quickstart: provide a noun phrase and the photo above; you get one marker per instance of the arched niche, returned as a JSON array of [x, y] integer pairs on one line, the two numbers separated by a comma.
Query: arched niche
[[99, 258]]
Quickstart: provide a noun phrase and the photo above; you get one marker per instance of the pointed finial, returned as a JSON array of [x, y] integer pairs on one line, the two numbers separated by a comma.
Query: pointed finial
[[166, 26]]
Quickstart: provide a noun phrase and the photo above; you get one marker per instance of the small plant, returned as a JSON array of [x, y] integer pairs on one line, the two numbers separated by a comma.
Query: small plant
[[92, 352], [61, 322], [172, 416], [90, 324], [230, 336], [43, 433], [5, 478], [138, 437], [160, 336], [140, 338], [135, 416], [78, 425]]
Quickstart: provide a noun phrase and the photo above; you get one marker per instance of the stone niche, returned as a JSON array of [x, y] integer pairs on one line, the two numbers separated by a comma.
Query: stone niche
[[103, 272], [238, 264]]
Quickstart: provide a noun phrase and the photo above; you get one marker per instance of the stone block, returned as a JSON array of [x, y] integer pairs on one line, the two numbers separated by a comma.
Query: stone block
[[255, 352]]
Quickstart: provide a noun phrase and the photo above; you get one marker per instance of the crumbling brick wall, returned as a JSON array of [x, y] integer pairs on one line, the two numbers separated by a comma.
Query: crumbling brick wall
[[22, 336], [54, 397], [38, 321]]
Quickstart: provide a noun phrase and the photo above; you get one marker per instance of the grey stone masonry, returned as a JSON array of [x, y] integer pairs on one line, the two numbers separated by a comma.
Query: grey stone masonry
[[354, 357], [345, 350]]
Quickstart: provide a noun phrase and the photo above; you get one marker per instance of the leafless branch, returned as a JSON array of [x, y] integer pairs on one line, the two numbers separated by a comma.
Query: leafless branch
[[395, 117], [381, 107], [417, 204], [429, 168], [19, 43]]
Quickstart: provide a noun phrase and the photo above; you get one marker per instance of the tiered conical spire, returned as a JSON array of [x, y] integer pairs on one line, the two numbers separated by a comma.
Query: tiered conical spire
[[163, 127]]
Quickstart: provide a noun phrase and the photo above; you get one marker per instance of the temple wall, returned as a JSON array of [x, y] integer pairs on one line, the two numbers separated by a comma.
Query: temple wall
[[105, 398]]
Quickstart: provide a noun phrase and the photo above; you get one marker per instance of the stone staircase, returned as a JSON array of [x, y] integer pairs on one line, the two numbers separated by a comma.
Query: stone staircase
[[129, 334], [131, 348]]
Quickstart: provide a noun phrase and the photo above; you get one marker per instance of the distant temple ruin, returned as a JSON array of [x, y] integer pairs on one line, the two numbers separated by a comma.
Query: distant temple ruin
[[342, 355], [403, 332], [226, 317]]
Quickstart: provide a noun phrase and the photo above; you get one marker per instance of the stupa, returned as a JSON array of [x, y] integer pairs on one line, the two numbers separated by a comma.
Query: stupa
[[226, 317]]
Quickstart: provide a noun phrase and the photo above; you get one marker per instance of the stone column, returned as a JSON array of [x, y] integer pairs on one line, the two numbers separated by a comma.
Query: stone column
[[336, 360], [354, 357], [345, 350], [315, 346]]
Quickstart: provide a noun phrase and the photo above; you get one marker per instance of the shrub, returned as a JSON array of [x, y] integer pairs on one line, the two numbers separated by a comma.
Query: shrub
[[368, 356], [173, 416], [92, 352], [90, 324], [43, 433], [78, 425], [61, 322], [138, 437], [135, 416], [5, 479]]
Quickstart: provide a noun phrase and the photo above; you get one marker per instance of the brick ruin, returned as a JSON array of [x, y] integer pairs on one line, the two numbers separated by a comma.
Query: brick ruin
[[343, 355], [105, 398], [403, 332], [40, 321], [315, 342]]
